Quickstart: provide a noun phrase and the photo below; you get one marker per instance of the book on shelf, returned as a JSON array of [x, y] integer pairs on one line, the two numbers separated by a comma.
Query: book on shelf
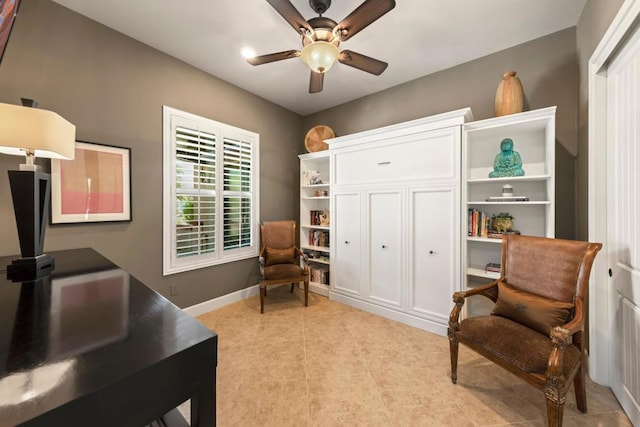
[[319, 274], [492, 267], [495, 234], [319, 238], [479, 223], [507, 199], [319, 218]]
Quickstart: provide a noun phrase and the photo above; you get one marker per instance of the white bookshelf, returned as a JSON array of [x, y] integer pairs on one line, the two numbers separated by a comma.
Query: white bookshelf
[[315, 197], [533, 135]]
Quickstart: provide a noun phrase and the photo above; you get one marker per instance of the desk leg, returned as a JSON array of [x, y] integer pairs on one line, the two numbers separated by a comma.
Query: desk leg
[[203, 404]]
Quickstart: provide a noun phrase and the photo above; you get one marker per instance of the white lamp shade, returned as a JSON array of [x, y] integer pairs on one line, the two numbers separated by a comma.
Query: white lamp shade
[[44, 132], [320, 56]]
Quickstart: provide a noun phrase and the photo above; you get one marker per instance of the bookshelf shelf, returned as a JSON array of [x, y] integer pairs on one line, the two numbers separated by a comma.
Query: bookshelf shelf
[[533, 135], [319, 261], [316, 227], [532, 178], [477, 271], [314, 200], [316, 248], [324, 185], [484, 240], [530, 202]]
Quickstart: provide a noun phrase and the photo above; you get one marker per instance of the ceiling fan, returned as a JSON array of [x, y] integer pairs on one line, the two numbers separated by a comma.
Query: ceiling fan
[[321, 37]]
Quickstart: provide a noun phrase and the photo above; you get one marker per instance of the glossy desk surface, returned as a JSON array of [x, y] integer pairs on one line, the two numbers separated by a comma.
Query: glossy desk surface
[[91, 345]]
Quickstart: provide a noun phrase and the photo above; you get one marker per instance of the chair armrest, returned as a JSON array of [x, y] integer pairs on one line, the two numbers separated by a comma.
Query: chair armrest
[[489, 290], [576, 324], [262, 262], [302, 255], [561, 338]]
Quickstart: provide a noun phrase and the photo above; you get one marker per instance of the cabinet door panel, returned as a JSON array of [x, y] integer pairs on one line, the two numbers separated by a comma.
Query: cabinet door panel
[[346, 261], [434, 256], [430, 155], [385, 248]]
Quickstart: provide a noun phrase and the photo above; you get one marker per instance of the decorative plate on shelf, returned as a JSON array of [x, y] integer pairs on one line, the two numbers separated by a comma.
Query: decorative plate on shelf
[[314, 141]]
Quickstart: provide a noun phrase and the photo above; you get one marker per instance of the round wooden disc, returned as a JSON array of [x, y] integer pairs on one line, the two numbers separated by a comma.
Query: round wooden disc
[[314, 141]]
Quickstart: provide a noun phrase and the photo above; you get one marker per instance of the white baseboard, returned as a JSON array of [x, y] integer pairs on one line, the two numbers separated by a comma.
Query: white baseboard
[[408, 319], [216, 303]]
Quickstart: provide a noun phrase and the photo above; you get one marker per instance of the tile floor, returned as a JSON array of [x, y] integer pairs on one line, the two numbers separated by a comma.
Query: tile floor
[[332, 365]]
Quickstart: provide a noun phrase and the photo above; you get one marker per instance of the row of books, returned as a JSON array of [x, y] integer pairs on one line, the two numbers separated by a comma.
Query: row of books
[[319, 238], [319, 274], [480, 226], [479, 223], [319, 218]]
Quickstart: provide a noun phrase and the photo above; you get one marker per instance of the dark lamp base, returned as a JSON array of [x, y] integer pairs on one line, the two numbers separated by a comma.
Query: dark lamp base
[[24, 269]]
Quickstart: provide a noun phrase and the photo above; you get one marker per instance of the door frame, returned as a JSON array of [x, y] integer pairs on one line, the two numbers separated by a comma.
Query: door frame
[[601, 320]]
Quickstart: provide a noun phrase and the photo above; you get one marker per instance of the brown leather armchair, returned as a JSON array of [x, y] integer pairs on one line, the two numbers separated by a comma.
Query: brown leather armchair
[[280, 258], [536, 328]]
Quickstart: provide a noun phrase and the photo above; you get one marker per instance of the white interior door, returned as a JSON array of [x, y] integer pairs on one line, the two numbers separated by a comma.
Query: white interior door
[[623, 223]]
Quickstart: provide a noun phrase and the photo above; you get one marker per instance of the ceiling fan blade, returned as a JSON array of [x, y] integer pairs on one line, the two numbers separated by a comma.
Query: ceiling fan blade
[[290, 14], [362, 16], [315, 83], [265, 59], [362, 62]]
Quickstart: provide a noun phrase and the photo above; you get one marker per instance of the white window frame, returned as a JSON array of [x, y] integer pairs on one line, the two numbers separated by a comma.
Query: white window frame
[[171, 119]]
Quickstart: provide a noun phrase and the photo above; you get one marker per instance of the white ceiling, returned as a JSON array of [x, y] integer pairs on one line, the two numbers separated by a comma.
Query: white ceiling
[[417, 38]]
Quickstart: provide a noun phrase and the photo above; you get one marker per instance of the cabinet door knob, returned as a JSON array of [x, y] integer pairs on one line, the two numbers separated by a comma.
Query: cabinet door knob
[[384, 246], [432, 252], [346, 242]]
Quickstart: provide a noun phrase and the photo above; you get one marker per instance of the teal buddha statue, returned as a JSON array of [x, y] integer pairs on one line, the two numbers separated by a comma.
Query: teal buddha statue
[[507, 162]]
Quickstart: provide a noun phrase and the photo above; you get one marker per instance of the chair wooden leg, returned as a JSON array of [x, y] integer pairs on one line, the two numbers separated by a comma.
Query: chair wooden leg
[[263, 293], [306, 292], [580, 389], [453, 354], [555, 410], [292, 285]]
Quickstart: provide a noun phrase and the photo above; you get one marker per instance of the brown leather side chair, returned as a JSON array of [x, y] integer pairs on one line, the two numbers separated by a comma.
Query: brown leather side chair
[[536, 329], [280, 258]]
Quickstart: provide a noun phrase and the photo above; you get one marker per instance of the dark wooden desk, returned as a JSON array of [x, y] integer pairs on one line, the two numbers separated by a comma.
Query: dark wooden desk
[[89, 345]]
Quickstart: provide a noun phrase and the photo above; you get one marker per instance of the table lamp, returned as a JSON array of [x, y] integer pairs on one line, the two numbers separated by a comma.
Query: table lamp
[[27, 130]]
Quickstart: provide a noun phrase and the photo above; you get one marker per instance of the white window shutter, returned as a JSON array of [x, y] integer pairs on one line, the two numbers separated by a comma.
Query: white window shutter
[[210, 176]]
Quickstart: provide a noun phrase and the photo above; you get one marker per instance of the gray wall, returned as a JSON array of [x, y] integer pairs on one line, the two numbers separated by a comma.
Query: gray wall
[[113, 88], [548, 70], [594, 21]]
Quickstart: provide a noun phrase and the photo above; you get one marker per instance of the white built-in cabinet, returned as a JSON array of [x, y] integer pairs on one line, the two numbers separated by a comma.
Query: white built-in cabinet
[[533, 135], [395, 227]]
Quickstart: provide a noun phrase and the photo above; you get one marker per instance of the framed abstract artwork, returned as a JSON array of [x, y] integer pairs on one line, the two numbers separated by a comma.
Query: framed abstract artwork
[[93, 187], [8, 11]]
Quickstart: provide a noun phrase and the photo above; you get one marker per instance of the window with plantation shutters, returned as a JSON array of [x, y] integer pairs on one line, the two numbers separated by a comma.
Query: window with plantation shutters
[[210, 192]]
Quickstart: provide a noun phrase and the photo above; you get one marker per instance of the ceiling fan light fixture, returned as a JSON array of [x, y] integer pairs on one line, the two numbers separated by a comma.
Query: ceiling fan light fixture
[[320, 56], [248, 52]]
